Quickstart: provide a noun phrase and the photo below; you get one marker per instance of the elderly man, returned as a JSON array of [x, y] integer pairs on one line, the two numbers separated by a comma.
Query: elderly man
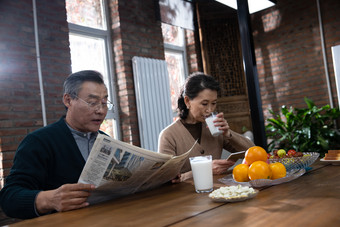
[[49, 161]]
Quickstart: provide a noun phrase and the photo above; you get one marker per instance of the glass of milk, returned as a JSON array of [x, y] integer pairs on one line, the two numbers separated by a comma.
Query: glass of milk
[[201, 167], [215, 131]]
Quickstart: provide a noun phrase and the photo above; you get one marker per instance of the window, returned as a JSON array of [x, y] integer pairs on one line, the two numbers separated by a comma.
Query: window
[[90, 48], [175, 56]]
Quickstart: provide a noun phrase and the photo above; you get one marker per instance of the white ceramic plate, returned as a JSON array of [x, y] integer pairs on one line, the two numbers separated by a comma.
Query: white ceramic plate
[[333, 162], [232, 200]]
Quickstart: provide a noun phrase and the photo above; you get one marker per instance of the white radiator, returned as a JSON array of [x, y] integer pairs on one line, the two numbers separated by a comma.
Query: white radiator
[[152, 89]]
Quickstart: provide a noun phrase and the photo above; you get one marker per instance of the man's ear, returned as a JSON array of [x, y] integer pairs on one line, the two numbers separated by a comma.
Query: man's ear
[[67, 100]]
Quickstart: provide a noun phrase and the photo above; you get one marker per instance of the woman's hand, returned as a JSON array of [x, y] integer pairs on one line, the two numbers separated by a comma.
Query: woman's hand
[[177, 179], [222, 124], [220, 166]]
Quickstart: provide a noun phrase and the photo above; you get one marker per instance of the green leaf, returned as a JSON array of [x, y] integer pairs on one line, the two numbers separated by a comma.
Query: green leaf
[[309, 102]]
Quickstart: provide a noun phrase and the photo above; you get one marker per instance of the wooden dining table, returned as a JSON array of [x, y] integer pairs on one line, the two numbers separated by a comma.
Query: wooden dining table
[[312, 199]]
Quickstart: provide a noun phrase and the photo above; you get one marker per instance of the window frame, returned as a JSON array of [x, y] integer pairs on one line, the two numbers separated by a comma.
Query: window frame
[[182, 51], [105, 35]]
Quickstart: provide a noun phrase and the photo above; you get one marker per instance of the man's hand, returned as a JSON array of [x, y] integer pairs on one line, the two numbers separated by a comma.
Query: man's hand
[[221, 166], [66, 197]]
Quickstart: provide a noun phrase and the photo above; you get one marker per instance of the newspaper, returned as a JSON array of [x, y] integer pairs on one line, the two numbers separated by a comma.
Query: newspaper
[[117, 168]]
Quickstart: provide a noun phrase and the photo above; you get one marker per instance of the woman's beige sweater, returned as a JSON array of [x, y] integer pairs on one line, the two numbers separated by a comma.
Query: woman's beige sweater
[[176, 140]]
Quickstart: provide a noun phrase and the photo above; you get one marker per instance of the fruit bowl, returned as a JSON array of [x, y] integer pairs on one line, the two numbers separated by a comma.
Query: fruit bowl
[[306, 160], [291, 175]]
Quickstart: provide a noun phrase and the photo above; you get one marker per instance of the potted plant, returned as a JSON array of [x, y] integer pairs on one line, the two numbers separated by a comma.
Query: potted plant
[[311, 129]]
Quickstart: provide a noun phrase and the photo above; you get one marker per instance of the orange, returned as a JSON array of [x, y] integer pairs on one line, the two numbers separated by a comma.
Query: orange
[[259, 170], [254, 154], [278, 170], [240, 173]]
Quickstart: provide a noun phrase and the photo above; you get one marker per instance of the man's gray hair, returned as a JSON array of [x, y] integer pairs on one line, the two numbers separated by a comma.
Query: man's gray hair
[[74, 81]]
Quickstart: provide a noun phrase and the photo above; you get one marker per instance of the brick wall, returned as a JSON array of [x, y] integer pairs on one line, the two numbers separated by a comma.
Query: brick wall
[[20, 109], [136, 32], [289, 53]]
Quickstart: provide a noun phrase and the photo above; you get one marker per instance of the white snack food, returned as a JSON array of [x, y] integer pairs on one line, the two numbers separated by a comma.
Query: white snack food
[[232, 192]]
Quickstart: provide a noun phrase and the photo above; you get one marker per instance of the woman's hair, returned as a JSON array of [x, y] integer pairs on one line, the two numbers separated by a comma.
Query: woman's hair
[[194, 84], [73, 82]]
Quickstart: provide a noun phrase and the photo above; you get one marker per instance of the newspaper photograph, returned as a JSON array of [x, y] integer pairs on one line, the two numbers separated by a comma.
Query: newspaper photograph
[[117, 168]]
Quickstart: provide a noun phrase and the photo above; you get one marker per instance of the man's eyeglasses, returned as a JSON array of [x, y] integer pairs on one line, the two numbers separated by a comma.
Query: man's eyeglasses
[[97, 105]]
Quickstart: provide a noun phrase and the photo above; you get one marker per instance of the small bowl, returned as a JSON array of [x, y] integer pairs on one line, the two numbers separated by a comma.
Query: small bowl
[[303, 162]]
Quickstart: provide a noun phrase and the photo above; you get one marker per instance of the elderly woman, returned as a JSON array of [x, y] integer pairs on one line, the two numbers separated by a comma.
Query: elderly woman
[[197, 101]]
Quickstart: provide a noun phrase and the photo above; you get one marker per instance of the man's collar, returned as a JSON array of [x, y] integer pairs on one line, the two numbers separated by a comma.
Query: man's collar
[[82, 134]]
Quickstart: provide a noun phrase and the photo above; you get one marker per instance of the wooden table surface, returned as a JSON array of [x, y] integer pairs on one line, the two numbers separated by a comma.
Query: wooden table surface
[[310, 200]]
